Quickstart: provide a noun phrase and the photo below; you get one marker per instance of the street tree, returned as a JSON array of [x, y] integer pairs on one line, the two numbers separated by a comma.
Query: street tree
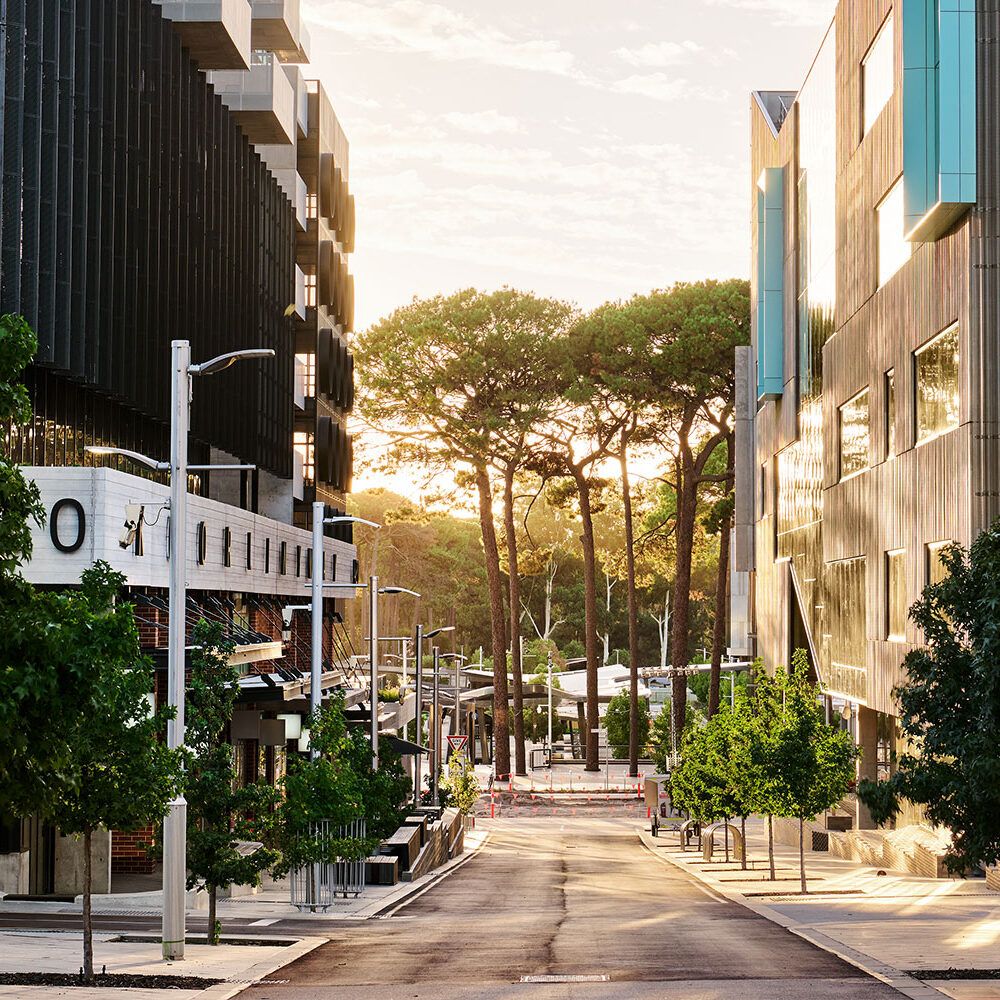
[[120, 775], [319, 789], [950, 709], [812, 763], [451, 380], [692, 331], [619, 727], [223, 816]]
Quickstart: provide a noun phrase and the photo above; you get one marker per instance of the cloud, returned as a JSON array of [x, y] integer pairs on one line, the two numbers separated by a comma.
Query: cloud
[[483, 122], [441, 32], [794, 13], [661, 87], [659, 54]]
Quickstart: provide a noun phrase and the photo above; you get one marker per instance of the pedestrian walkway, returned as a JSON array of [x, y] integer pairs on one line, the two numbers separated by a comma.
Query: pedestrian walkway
[[236, 965], [889, 923], [270, 903]]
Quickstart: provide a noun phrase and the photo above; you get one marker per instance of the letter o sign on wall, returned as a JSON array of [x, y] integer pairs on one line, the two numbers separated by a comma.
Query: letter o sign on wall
[[58, 535]]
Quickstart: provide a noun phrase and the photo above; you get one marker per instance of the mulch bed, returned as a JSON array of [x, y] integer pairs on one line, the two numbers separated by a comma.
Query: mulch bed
[[955, 973], [110, 980]]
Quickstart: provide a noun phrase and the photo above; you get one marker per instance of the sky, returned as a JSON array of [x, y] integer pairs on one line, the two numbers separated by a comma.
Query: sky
[[581, 149]]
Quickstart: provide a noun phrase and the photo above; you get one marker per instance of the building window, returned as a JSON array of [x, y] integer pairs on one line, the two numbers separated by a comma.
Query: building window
[[893, 250], [854, 435], [312, 206], [936, 569], [310, 291], [890, 413], [937, 385], [878, 74], [895, 595], [302, 441]]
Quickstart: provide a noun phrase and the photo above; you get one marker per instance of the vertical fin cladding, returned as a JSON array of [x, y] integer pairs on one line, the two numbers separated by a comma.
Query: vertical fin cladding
[[770, 283], [939, 114]]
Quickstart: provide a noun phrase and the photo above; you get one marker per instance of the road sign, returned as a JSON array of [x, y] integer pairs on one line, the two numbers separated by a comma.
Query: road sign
[[457, 743]]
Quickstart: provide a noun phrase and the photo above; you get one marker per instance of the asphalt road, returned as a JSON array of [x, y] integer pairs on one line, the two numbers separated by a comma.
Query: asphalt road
[[569, 896]]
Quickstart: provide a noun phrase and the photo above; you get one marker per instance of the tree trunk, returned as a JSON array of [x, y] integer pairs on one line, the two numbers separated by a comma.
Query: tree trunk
[[721, 609], [213, 931], [725, 830], [633, 617], [520, 765], [687, 504], [88, 923], [501, 726], [590, 621], [743, 831], [770, 845], [802, 855]]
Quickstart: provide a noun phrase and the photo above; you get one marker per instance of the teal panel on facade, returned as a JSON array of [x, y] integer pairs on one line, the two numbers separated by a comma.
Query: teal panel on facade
[[939, 113], [771, 283]]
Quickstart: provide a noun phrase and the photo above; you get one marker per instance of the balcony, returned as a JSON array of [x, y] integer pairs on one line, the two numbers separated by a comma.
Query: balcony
[[300, 293], [216, 33], [276, 27], [262, 101]]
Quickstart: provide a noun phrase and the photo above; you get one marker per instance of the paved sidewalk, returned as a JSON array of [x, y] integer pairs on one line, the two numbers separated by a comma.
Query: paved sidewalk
[[893, 925], [238, 965], [268, 905]]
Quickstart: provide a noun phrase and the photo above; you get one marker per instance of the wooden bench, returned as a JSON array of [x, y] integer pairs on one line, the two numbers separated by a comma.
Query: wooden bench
[[403, 844], [382, 869], [422, 823]]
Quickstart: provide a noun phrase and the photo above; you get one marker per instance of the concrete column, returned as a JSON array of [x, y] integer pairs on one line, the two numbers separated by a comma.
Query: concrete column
[[582, 722], [867, 766]]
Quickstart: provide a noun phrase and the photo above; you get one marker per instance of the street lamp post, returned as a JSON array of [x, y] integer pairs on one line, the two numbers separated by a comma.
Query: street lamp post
[[320, 520], [418, 648], [175, 822], [373, 662], [436, 723], [549, 666]]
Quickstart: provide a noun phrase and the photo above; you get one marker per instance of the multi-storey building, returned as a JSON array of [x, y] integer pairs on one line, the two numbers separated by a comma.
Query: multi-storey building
[[868, 427], [168, 173]]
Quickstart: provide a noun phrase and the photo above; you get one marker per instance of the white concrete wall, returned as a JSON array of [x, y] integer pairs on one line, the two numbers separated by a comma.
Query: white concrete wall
[[69, 863], [103, 493], [14, 872]]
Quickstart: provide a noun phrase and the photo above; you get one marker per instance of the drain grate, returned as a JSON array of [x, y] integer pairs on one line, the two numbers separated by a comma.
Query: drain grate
[[565, 979]]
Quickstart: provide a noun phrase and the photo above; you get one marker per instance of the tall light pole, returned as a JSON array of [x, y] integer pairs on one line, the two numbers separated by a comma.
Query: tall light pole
[[320, 520], [419, 651], [436, 723], [459, 660], [373, 595], [549, 666], [175, 822]]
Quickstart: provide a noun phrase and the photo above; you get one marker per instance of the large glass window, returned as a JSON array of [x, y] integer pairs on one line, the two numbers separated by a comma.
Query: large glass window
[[878, 75], [890, 413], [936, 570], [854, 435], [893, 250], [937, 385], [895, 595]]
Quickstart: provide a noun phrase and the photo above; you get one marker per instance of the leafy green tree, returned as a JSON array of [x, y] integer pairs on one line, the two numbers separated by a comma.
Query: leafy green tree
[[385, 793], [618, 724], [812, 764], [221, 815], [691, 331], [120, 775], [950, 709], [462, 784], [452, 380], [321, 788]]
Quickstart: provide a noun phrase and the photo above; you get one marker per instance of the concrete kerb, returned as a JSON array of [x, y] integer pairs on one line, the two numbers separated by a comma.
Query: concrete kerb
[[409, 891], [898, 980], [262, 970]]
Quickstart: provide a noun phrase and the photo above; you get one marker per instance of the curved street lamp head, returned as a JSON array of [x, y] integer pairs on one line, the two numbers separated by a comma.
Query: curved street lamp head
[[398, 590], [438, 631], [150, 463], [349, 519], [223, 361]]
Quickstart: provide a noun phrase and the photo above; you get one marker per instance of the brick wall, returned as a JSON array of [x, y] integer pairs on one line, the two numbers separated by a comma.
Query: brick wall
[[128, 856]]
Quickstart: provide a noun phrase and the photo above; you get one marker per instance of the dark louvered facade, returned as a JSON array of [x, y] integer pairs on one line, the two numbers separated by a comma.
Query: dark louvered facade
[[135, 212]]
